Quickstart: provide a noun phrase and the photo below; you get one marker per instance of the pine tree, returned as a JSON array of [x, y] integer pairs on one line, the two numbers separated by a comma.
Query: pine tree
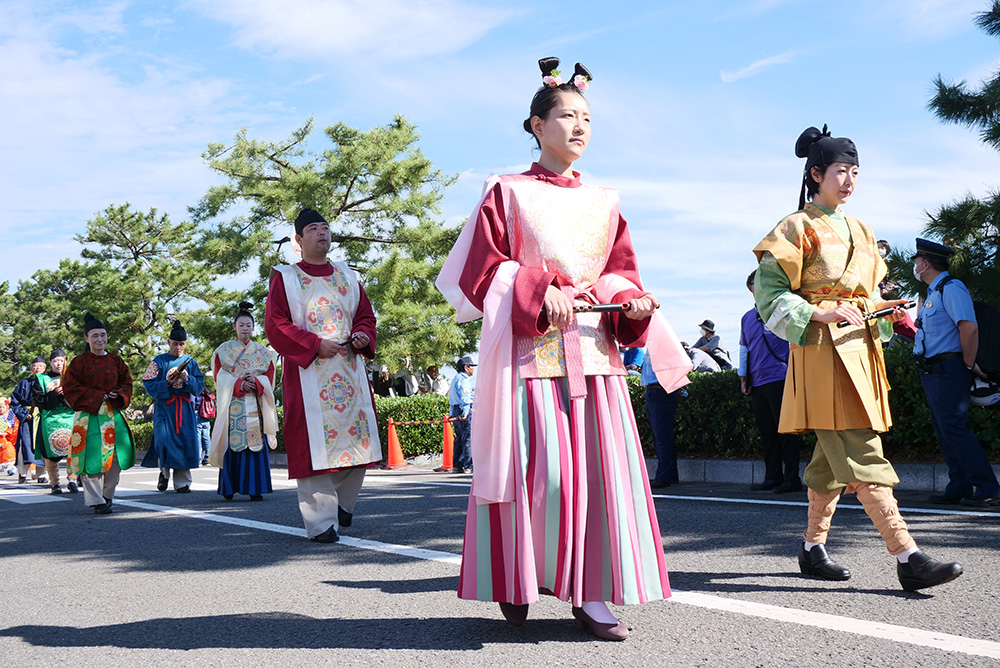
[[971, 226], [380, 195]]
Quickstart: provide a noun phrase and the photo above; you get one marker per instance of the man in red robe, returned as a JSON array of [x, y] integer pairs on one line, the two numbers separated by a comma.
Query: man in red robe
[[319, 319]]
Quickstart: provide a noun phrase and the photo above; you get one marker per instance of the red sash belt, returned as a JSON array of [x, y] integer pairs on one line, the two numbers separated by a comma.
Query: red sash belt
[[178, 409]]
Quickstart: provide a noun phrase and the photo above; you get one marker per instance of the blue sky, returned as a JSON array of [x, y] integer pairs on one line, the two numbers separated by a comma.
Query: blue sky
[[696, 107]]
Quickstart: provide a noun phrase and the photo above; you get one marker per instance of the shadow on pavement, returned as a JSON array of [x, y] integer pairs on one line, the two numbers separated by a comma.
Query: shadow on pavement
[[283, 630]]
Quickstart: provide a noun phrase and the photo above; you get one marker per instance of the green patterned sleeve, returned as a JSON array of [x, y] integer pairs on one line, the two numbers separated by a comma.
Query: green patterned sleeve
[[784, 312]]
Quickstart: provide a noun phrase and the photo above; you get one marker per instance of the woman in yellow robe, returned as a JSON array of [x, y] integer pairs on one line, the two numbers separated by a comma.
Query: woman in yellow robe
[[819, 268]]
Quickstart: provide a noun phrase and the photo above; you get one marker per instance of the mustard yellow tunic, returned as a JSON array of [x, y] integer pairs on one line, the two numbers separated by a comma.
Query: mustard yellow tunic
[[836, 378]]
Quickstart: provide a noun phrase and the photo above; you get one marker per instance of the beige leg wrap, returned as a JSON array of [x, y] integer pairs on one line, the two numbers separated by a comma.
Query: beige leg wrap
[[821, 507], [52, 469], [883, 511]]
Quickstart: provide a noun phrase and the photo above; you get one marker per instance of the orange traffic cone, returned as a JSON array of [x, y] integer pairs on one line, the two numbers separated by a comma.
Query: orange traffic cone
[[447, 447], [395, 451]]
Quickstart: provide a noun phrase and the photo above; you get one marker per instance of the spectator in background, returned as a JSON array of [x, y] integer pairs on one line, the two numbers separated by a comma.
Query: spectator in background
[[382, 382], [661, 409], [711, 343], [204, 424], [763, 367], [703, 362], [432, 382], [903, 328], [460, 401], [633, 359], [404, 382]]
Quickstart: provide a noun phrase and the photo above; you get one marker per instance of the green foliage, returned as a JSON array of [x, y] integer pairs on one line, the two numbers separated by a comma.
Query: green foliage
[[413, 439], [380, 195], [138, 273], [142, 434]]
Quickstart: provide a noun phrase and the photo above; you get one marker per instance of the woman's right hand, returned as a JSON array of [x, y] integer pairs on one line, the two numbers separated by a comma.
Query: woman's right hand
[[848, 312], [558, 307]]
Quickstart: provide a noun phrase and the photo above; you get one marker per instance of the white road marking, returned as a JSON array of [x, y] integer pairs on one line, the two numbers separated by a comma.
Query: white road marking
[[903, 634], [26, 496], [924, 638]]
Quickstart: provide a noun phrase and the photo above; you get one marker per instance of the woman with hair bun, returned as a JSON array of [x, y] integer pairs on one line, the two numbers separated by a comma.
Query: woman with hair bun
[[560, 500], [816, 285], [246, 419]]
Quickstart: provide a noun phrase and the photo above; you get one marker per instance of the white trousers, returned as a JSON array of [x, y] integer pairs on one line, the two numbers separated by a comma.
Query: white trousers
[[182, 477], [320, 495], [97, 488]]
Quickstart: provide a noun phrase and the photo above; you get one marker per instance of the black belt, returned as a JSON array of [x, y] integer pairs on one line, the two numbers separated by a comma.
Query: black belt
[[943, 357]]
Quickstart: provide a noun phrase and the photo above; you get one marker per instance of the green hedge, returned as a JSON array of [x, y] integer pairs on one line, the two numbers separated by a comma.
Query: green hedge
[[413, 439], [715, 419]]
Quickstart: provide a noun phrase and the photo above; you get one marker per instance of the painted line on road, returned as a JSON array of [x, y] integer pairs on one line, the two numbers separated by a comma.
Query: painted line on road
[[903, 634], [387, 548], [724, 499], [27, 496]]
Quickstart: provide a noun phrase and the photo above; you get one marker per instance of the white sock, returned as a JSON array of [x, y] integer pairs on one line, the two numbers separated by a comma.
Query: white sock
[[904, 557], [810, 546], [598, 611]]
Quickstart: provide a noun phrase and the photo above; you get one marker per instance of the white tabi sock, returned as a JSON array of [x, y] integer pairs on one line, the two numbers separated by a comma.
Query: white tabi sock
[[598, 611], [904, 557], [810, 546]]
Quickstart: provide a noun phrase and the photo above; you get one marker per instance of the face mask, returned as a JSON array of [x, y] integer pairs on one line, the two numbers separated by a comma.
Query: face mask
[[916, 274]]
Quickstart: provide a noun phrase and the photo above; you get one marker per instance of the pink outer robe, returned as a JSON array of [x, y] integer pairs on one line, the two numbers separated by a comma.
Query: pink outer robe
[[299, 348]]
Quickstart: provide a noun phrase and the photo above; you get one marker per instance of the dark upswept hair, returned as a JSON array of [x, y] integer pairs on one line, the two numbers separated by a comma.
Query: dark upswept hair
[[244, 309], [546, 97]]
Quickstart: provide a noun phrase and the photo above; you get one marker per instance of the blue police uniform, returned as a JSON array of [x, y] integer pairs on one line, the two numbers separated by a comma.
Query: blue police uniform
[[947, 386], [460, 401]]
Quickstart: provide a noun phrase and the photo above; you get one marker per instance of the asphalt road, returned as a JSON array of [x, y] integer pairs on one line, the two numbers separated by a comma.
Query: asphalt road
[[191, 580]]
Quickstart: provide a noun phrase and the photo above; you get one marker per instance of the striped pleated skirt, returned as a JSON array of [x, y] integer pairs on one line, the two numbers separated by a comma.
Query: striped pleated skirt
[[245, 472], [582, 526]]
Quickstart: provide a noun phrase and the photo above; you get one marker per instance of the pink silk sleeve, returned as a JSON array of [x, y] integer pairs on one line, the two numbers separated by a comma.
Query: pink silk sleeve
[[294, 344], [490, 247]]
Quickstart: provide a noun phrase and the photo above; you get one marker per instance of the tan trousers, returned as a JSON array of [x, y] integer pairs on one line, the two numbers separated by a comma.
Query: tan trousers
[[52, 470], [97, 488], [879, 504], [320, 495]]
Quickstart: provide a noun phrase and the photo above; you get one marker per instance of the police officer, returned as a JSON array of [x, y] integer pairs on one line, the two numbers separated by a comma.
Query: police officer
[[946, 343], [460, 399]]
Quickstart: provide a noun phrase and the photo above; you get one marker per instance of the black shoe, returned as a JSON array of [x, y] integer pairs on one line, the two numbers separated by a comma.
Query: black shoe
[[227, 497], [204, 462], [42, 480], [945, 499], [71, 487], [343, 517], [108, 501], [21, 479], [183, 490], [816, 563], [659, 484], [161, 483], [980, 501], [328, 536], [55, 489], [458, 469], [921, 572], [256, 497], [102, 509], [514, 614], [786, 487], [764, 486]]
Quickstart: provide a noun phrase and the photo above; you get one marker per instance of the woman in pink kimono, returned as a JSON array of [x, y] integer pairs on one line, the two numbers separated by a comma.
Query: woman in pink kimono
[[560, 500]]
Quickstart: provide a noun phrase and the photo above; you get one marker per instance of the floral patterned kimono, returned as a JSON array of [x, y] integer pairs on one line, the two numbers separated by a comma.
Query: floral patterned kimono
[[246, 421], [836, 376], [100, 432], [560, 500]]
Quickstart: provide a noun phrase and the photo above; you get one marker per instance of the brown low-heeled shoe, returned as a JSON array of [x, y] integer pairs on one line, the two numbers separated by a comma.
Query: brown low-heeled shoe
[[514, 614], [603, 631]]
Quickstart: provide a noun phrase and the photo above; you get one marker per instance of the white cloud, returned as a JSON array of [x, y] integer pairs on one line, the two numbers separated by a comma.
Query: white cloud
[[758, 66], [390, 29], [927, 19]]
